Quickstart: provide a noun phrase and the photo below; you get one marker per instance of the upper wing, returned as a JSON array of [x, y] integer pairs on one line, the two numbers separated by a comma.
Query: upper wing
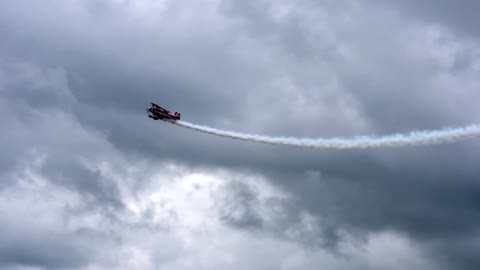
[[156, 106]]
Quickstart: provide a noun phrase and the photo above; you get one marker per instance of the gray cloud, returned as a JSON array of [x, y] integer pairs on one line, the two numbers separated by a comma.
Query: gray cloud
[[238, 207], [460, 17], [53, 250], [73, 175], [75, 79]]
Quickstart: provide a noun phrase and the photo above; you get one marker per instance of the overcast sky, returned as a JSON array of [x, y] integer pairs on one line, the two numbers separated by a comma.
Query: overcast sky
[[87, 181]]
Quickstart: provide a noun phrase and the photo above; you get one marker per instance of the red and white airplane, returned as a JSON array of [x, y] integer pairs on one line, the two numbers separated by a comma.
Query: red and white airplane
[[156, 112]]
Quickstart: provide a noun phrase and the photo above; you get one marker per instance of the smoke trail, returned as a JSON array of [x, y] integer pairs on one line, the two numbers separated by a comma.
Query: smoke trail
[[394, 140]]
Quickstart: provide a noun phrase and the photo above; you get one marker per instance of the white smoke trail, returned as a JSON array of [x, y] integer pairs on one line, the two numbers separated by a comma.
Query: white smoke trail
[[394, 140]]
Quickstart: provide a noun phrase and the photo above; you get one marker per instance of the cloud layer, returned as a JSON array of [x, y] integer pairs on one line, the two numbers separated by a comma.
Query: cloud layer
[[89, 182]]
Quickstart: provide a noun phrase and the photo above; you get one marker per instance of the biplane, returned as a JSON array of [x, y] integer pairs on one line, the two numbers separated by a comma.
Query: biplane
[[158, 113]]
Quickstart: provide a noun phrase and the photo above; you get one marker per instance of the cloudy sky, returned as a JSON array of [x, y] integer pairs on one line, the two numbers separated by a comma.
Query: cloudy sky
[[87, 181]]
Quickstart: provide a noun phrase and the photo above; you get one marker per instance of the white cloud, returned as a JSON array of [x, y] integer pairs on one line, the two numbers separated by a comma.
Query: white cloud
[[172, 222]]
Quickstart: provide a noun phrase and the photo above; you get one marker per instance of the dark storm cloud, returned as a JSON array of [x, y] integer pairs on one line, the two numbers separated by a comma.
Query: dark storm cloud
[[347, 70], [460, 252]]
